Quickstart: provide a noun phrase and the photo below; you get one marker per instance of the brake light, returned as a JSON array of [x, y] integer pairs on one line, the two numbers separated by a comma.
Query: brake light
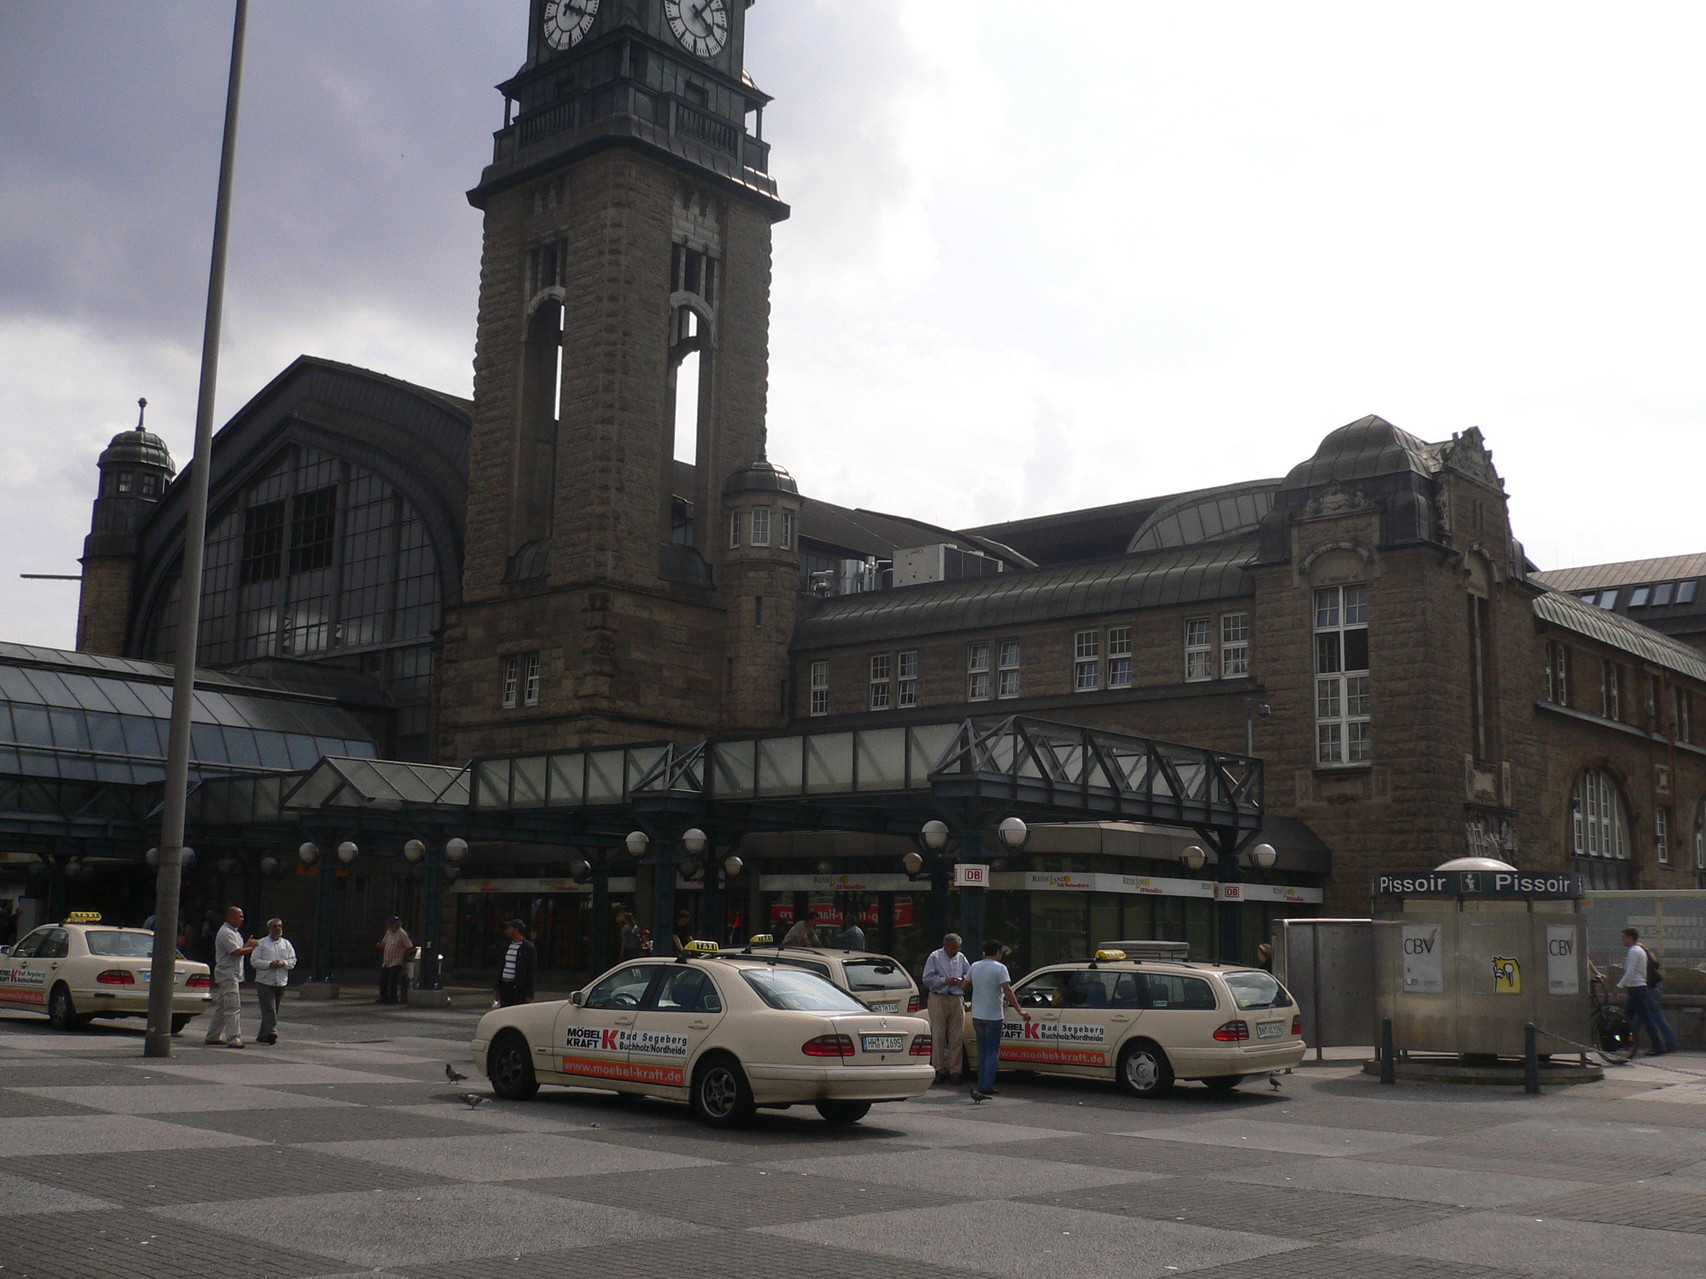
[[828, 1046], [117, 977], [1233, 1032], [198, 981], [920, 1046], [1297, 1024], [915, 1005]]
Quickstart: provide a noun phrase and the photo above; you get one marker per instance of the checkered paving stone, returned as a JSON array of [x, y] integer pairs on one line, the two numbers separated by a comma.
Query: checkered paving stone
[[93, 1133], [1330, 1262], [806, 1138], [151, 1178], [1561, 1163], [20, 1195], [741, 1198], [410, 1093], [1419, 1121], [1292, 1214], [64, 1074], [328, 1123], [1136, 1154], [1646, 1206], [14, 1105], [122, 1245]]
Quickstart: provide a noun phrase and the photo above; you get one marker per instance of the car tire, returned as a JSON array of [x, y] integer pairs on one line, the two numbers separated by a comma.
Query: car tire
[[843, 1112], [721, 1095], [510, 1068], [62, 1012], [180, 1020], [1144, 1070], [1223, 1083]]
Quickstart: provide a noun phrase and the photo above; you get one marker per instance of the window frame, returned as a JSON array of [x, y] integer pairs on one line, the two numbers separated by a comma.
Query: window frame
[[977, 671], [509, 685], [817, 689], [530, 679], [758, 526], [880, 682], [1199, 649], [1119, 657], [1009, 668], [906, 678], [1234, 645], [1343, 735], [1086, 661]]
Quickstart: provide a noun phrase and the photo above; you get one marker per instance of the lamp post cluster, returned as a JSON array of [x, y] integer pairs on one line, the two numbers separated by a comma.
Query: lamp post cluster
[[963, 868], [439, 864], [696, 862], [1229, 899]]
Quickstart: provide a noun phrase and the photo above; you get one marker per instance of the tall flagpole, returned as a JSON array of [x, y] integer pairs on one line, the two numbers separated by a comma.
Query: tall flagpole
[[158, 1041]]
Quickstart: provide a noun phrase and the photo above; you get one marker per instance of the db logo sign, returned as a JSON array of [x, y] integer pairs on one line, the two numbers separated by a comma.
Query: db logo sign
[[971, 875]]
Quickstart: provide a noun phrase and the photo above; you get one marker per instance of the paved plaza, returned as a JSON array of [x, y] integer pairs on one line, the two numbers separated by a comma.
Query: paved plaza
[[343, 1151]]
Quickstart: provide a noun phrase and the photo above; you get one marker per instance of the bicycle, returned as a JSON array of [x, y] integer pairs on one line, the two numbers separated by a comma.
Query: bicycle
[[1613, 1033]]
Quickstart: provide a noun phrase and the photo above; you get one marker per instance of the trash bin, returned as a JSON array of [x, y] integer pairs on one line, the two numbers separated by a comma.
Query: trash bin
[[429, 968]]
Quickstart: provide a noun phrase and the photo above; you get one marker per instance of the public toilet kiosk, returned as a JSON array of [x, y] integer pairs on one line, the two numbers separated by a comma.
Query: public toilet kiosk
[[1468, 954]]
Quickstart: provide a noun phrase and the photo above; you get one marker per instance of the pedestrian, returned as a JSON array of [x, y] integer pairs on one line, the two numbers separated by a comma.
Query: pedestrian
[[229, 947], [945, 985], [633, 936], [1643, 997], [991, 985], [394, 948], [1265, 957], [852, 937], [520, 963], [683, 932], [272, 961], [801, 934]]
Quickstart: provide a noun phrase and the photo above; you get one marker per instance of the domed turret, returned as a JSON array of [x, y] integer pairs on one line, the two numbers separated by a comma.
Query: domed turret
[[135, 469]]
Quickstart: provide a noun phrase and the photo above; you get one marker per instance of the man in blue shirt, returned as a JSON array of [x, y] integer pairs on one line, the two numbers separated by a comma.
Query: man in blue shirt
[[991, 985], [945, 981]]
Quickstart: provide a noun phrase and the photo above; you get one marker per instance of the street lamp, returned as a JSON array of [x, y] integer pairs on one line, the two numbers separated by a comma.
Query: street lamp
[[1254, 709], [1013, 834], [636, 843], [414, 850], [1193, 858], [1264, 855], [913, 865], [347, 852], [935, 835]]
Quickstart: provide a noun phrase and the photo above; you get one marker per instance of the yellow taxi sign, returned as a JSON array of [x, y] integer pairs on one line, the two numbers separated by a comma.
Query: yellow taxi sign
[[1109, 956], [83, 917], [701, 948], [761, 939]]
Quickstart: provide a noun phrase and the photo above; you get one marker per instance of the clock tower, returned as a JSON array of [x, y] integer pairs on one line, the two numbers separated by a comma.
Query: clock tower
[[628, 207]]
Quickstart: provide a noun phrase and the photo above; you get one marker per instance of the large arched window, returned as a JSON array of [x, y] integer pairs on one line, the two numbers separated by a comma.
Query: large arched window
[[1599, 832]]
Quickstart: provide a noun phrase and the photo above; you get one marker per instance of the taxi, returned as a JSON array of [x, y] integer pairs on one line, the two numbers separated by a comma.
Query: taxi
[[879, 982], [83, 969], [726, 1032], [1147, 1023]]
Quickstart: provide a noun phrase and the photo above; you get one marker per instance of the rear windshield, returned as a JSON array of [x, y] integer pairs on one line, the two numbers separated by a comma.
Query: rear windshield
[[791, 989], [1257, 990], [120, 945], [875, 974]]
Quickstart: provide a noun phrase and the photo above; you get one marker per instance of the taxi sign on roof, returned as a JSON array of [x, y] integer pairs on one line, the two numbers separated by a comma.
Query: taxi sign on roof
[[761, 939], [701, 948], [1109, 956], [83, 917]]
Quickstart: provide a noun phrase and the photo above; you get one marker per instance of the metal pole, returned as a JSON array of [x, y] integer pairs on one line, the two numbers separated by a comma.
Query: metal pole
[[1388, 1067], [1530, 1061], [157, 1042]]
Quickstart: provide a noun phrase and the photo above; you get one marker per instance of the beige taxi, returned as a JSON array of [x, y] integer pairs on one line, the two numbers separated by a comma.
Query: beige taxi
[[82, 969], [1147, 1023], [726, 1032], [879, 982]]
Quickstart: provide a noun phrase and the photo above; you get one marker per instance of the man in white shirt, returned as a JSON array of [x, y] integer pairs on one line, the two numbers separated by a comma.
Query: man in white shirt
[[991, 986], [945, 1001], [225, 1026], [1644, 1009], [272, 960]]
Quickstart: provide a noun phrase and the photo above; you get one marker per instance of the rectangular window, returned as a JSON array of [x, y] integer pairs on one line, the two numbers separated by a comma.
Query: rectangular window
[[819, 688], [313, 529], [882, 666], [1343, 698], [511, 681], [1557, 673], [1234, 645], [530, 680], [1086, 661], [1685, 592], [1119, 657], [1661, 594], [734, 529], [1199, 650], [761, 526], [977, 672], [1681, 714], [263, 543], [1610, 689], [1638, 597], [785, 530], [1007, 672], [1661, 835], [906, 679]]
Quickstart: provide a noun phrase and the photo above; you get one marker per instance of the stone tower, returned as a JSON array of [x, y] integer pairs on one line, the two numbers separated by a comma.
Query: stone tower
[[135, 470], [627, 239]]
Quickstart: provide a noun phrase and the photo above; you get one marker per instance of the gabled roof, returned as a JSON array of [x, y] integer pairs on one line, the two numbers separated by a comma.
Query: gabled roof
[[1613, 629], [1624, 573]]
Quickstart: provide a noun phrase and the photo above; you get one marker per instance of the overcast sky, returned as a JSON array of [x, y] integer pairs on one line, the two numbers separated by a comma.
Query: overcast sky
[[1042, 256]]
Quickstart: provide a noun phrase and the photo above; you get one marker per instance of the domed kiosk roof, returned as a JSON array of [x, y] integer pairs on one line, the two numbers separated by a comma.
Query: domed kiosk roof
[[1368, 447], [762, 476]]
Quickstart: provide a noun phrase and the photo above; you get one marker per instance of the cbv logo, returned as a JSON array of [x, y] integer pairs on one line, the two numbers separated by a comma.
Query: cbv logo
[[1561, 946], [1420, 945]]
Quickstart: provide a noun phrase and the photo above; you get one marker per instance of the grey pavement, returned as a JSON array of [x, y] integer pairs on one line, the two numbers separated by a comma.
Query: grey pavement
[[343, 1151]]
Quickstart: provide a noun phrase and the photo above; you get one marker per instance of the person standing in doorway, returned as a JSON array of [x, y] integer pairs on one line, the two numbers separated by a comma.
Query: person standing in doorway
[[520, 964], [225, 1025], [852, 937], [991, 986], [633, 937], [683, 932], [393, 948], [945, 983], [272, 960], [1643, 997]]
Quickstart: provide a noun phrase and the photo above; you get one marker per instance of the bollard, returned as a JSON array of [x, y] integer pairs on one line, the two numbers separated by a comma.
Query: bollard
[[1388, 1068], [1530, 1061]]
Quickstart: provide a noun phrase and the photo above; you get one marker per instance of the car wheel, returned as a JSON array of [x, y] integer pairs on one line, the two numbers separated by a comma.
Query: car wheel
[[721, 1095], [843, 1112], [510, 1069], [1145, 1071], [62, 1014], [180, 1020], [1223, 1083]]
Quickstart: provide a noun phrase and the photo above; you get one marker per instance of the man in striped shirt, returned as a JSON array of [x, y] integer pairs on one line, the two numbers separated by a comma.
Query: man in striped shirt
[[515, 978]]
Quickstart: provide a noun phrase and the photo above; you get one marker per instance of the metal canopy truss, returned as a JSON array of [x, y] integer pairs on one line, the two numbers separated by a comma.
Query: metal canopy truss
[[342, 784]]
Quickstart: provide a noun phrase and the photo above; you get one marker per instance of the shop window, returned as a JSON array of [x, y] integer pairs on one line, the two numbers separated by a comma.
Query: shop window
[[1342, 687], [1234, 645]]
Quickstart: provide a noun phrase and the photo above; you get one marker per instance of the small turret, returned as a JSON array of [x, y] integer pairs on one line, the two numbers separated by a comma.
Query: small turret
[[759, 582], [135, 469]]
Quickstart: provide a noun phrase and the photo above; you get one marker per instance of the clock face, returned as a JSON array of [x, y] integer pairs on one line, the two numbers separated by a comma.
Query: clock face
[[568, 21], [702, 26]]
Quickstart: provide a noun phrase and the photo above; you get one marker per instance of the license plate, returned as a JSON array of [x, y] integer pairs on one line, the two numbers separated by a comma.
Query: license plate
[[882, 1043], [1270, 1029], [884, 1008]]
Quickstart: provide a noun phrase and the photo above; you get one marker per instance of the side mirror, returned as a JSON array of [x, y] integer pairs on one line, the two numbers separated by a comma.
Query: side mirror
[[575, 998]]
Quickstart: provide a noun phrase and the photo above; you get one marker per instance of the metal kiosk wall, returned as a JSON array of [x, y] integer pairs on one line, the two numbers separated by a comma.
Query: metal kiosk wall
[[1473, 951]]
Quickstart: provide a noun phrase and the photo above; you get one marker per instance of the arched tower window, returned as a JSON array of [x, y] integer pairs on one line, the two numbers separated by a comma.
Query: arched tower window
[[1599, 831], [539, 404]]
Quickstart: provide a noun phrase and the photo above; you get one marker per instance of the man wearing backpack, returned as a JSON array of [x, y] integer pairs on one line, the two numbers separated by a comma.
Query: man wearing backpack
[[1643, 997]]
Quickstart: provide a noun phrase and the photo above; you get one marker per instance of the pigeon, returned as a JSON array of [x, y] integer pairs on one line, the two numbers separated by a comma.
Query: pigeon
[[473, 1100], [1273, 1081], [978, 1098], [451, 1073]]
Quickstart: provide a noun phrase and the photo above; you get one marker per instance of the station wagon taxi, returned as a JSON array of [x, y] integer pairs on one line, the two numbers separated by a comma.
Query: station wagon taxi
[[1147, 1023], [82, 969], [880, 982], [726, 1032]]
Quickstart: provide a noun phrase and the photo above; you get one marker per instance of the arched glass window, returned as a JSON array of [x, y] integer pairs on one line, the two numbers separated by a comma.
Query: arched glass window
[[1599, 832]]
